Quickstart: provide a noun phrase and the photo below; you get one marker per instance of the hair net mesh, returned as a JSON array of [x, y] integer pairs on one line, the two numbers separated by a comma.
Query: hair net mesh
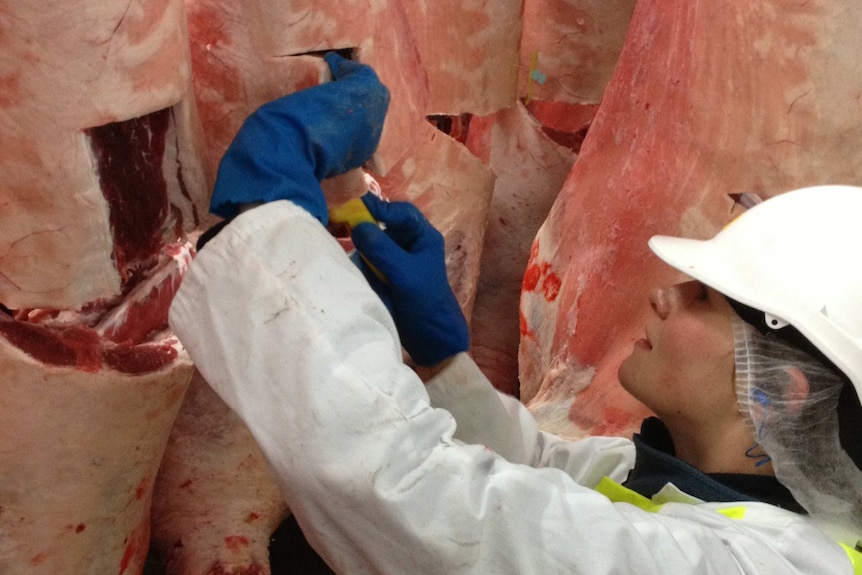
[[799, 431]]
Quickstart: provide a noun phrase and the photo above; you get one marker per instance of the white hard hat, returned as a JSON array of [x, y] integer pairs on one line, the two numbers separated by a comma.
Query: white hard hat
[[792, 258], [796, 257]]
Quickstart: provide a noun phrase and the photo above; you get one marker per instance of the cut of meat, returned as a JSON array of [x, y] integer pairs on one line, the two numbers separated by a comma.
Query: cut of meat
[[682, 125], [68, 67], [145, 309], [131, 319], [85, 422], [81, 449], [129, 160], [530, 170], [469, 51], [215, 503], [569, 49]]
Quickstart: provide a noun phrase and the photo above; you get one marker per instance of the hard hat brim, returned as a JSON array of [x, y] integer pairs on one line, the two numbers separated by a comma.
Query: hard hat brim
[[700, 260]]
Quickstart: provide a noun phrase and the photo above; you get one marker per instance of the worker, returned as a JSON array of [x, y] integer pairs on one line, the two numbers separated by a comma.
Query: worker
[[742, 471]]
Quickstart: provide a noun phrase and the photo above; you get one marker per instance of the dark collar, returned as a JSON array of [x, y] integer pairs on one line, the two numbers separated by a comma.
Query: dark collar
[[656, 465]]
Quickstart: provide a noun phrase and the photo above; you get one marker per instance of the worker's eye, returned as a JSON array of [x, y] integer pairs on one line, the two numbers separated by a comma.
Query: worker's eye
[[703, 292]]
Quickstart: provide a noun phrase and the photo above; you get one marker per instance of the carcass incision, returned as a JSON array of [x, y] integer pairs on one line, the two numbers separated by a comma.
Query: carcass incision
[[131, 158], [89, 394]]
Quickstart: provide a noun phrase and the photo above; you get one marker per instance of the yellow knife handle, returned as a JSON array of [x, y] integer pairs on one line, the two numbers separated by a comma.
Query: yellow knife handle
[[352, 213]]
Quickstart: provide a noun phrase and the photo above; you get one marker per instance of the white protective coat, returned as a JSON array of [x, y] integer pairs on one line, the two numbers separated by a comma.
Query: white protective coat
[[286, 330]]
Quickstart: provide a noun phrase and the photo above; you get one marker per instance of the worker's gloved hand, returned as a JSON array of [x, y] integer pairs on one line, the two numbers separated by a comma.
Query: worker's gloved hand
[[409, 254], [287, 146]]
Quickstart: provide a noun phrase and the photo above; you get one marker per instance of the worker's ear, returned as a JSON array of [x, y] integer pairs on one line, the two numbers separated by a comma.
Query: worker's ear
[[796, 391]]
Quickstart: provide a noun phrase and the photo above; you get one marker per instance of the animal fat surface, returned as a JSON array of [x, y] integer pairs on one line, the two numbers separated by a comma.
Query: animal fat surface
[[73, 226], [530, 170], [215, 503]]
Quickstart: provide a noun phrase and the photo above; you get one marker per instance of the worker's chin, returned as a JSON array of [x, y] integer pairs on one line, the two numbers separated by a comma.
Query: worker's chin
[[624, 372], [629, 374]]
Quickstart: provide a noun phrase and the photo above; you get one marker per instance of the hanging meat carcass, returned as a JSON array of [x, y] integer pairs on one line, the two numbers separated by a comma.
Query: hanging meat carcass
[[706, 102], [567, 53], [215, 504], [100, 175]]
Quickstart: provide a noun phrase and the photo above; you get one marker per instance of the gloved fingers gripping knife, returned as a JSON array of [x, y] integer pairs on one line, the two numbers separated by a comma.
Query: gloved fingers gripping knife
[[410, 255], [287, 146]]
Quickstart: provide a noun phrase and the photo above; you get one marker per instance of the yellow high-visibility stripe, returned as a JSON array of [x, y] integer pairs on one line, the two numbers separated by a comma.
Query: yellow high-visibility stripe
[[619, 494], [855, 558], [733, 512]]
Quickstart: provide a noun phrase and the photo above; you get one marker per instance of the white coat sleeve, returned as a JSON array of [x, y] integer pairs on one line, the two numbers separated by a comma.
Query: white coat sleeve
[[288, 333], [500, 422]]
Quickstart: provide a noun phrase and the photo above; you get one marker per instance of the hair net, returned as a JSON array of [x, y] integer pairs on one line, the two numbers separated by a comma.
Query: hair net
[[797, 429]]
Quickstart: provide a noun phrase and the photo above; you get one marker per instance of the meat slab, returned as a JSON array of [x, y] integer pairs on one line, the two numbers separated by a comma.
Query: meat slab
[[77, 78], [706, 101], [81, 450], [101, 172], [569, 49], [86, 413], [215, 504], [530, 170]]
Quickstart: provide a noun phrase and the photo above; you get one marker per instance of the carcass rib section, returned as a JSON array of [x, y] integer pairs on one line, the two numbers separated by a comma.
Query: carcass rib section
[[144, 310], [87, 401], [203, 522], [706, 101]]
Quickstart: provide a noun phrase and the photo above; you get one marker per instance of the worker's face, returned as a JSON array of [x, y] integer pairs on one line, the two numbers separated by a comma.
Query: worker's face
[[683, 366]]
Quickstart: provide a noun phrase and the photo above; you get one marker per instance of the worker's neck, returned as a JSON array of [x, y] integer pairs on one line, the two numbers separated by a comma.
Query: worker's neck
[[722, 447]]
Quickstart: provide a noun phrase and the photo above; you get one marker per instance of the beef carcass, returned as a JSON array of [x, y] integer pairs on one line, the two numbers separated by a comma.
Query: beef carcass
[[100, 173], [215, 504], [530, 170], [706, 101], [85, 423], [71, 71], [567, 53]]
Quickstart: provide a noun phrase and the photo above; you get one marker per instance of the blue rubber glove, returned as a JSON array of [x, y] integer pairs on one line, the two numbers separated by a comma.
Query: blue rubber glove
[[410, 255], [287, 146]]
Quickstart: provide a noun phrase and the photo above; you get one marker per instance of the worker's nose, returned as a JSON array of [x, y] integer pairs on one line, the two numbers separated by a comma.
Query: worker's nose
[[663, 300], [660, 300]]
